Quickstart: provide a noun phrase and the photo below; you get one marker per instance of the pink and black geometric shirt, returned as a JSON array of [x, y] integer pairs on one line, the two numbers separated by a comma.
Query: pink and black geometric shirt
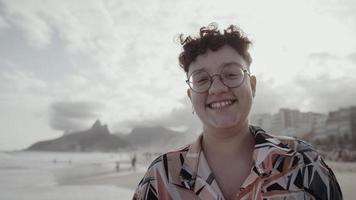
[[284, 168]]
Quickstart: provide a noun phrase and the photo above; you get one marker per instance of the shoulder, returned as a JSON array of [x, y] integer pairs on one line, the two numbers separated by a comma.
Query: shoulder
[[160, 173], [311, 172], [304, 154], [173, 157], [298, 145], [283, 145]]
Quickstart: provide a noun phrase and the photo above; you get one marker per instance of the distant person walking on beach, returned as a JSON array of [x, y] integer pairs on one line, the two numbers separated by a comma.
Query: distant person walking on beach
[[133, 162], [232, 159], [117, 166]]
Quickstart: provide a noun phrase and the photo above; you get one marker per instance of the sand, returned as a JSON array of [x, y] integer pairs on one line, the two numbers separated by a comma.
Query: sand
[[124, 180], [345, 173]]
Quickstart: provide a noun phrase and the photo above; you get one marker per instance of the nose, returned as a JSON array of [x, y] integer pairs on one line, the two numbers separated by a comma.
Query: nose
[[217, 86]]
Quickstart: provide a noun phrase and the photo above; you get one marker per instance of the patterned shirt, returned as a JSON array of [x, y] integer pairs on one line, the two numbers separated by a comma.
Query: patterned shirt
[[284, 168]]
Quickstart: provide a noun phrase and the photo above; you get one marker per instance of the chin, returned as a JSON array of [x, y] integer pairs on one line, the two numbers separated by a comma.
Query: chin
[[224, 124]]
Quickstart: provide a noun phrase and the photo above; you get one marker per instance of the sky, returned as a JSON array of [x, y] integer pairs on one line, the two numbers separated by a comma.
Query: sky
[[64, 64]]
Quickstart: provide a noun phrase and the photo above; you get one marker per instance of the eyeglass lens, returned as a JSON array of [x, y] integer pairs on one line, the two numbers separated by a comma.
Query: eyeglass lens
[[231, 76]]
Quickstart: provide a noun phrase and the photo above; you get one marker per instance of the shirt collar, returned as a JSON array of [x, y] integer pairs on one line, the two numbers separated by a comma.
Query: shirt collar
[[267, 149], [195, 173]]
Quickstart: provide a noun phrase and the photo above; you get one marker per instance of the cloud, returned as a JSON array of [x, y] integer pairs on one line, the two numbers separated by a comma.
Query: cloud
[[327, 83], [17, 81], [352, 58], [325, 93], [344, 9], [178, 118], [17, 13], [330, 64], [269, 96], [73, 115], [3, 23]]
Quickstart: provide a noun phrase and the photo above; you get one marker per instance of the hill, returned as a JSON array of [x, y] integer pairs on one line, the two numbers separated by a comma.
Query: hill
[[97, 138], [155, 138]]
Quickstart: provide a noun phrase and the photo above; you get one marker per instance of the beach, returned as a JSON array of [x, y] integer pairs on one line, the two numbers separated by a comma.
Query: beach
[[345, 173], [94, 176]]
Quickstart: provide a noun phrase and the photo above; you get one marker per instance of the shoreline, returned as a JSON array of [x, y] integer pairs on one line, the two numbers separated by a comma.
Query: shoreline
[[125, 178], [345, 173]]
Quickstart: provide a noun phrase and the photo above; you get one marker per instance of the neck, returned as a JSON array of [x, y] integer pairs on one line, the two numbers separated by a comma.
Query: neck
[[228, 142]]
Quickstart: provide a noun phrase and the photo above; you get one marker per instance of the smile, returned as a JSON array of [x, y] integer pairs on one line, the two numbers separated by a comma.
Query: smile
[[221, 104]]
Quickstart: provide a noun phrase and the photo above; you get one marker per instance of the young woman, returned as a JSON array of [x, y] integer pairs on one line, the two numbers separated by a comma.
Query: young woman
[[232, 159]]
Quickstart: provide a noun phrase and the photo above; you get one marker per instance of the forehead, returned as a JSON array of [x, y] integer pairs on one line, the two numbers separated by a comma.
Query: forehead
[[213, 61]]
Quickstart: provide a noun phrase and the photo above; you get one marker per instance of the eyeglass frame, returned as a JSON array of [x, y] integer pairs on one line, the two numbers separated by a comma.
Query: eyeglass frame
[[211, 77]]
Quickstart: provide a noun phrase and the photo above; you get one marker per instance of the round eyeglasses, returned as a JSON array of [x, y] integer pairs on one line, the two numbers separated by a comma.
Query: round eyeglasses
[[232, 76]]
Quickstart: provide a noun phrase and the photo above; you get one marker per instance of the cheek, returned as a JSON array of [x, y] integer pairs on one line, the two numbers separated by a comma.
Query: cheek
[[244, 96], [198, 102]]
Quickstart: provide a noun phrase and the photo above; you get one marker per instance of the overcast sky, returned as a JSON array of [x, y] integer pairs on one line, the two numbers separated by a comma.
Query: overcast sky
[[64, 64]]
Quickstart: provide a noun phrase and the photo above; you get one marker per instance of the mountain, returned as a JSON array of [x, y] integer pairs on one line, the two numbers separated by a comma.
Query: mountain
[[157, 137], [97, 138]]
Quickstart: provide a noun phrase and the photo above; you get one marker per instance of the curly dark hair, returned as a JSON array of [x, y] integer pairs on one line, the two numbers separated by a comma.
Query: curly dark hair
[[211, 38]]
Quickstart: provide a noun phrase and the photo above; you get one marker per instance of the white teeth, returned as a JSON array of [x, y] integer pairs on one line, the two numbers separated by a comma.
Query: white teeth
[[217, 105]]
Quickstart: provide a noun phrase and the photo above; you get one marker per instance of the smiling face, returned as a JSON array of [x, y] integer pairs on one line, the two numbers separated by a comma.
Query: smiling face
[[221, 106]]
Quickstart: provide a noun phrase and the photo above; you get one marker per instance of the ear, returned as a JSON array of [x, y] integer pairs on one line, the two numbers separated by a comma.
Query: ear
[[253, 83], [188, 93]]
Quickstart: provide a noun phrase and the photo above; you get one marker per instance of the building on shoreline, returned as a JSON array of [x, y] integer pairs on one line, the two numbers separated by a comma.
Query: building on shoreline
[[335, 128], [289, 122], [342, 125]]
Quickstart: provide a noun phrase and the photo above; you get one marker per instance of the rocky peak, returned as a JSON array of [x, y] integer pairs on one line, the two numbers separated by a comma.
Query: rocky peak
[[97, 124], [97, 127]]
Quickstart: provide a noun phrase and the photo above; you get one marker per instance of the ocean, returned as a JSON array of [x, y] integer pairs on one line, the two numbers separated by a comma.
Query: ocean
[[60, 176]]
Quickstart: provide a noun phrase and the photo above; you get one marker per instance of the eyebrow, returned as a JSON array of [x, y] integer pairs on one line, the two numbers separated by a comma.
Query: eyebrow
[[220, 66], [231, 63]]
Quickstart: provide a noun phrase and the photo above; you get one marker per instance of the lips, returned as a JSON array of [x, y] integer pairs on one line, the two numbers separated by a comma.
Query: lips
[[220, 104]]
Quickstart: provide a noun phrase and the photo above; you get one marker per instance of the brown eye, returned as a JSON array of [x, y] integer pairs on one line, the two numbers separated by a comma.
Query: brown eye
[[231, 76], [202, 80]]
